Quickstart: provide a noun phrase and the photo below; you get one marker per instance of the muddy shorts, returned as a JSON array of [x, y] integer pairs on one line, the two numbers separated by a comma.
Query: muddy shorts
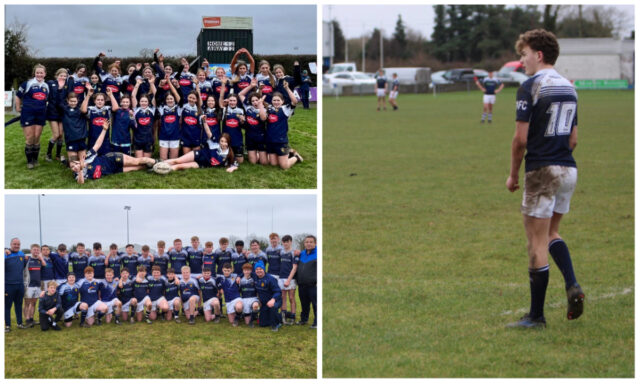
[[548, 190]]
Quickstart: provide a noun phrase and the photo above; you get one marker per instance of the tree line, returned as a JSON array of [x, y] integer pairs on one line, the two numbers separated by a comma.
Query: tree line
[[478, 34]]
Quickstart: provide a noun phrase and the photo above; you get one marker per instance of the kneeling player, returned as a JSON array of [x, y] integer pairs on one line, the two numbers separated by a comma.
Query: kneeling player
[[141, 294], [250, 302], [170, 302], [231, 291], [189, 294], [91, 304], [210, 293], [108, 295], [50, 308], [125, 295], [156, 291], [69, 296]]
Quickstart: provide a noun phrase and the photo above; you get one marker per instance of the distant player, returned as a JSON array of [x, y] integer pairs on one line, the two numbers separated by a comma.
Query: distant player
[[490, 86], [79, 261], [393, 94], [381, 89], [546, 127], [145, 259]]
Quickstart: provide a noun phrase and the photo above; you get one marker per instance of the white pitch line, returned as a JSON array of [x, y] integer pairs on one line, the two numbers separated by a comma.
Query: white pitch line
[[611, 295]]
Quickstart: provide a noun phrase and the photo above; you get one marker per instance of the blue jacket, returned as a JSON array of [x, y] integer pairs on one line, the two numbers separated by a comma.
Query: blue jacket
[[268, 288], [14, 264]]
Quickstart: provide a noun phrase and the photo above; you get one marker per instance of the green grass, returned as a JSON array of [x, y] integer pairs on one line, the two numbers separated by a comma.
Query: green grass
[[427, 260], [161, 350], [302, 137]]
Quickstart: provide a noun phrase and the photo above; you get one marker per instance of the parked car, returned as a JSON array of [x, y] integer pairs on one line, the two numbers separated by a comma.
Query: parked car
[[347, 78], [438, 78], [461, 75], [511, 66], [341, 67], [409, 75]]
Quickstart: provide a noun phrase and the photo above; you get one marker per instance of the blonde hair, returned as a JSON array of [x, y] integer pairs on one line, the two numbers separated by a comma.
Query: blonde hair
[[185, 268], [39, 66], [52, 283], [60, 71]]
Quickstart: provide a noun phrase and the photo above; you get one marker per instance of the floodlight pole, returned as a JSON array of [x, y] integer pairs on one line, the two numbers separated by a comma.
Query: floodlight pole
[[40, 219], [127, 208], [381, 50]]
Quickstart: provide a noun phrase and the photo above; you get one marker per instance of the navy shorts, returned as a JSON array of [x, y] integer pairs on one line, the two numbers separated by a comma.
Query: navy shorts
[[238, 151], [280, 149], [126, 148], [77, 145], [144, 147], [189, 143], [53, 114], [255, 145], [29, 118]]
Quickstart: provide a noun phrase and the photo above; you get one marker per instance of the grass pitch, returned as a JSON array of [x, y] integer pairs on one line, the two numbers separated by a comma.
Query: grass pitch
[[163, 349], [427, 259], [302, 137]]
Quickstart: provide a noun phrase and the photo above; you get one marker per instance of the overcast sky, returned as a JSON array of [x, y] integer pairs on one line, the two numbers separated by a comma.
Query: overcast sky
[[358, 19], [85, 30], [89, 218]]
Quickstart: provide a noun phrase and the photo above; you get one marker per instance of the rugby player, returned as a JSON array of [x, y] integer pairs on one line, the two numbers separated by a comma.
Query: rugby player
[[490, 86], [381, 89]]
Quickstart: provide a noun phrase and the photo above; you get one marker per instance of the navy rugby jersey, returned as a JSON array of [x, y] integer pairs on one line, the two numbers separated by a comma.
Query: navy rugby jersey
[[287, 260], [77, 84], [146, 261], [143, 132], [222, 257], [267, 88], [232, 125], [395, 84], [74, 123], [241, 82], [99, 165], [108, 291], [209, 288], [206, 90], [121, 127], [278, 124], [255, 127], [156, 287], [230, 289], [273, 258], [97, 117], [169, 122], [248, 288], [89, 291], [34, 96], [239, 260], [191, 129], [97, 262], [34, 267], [115, 263], [130, 263], [490, 85], [57, 96], [60, 266], [548, 102], [78, 264], [280, 87], [186, 85], [211, 119], [69, 295], [162, 261], [195, 259], [254, 258], [208, 260], [140, 289], [47, 271], [381, 82], [178, 259], [188, 288], [125, 294], [216, 85], [171, 289]]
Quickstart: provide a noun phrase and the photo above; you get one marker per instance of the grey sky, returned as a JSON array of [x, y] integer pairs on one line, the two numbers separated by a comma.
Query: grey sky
[[85, 30], [355, 20], [88, 218]]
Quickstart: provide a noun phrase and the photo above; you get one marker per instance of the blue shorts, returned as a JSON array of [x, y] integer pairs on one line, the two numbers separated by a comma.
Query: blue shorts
[[255, 145], [77, 145], [53, 114], [144, 147], [280, 149], [122, 148], [189, 143], [29, 118]]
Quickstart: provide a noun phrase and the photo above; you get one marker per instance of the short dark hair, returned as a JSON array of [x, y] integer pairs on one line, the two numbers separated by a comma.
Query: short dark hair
[[540, 40], [226, 266], [129, 245], [97, 246], [113, 246], [287, 238], [206, 269], [171, 270], [240, 242]]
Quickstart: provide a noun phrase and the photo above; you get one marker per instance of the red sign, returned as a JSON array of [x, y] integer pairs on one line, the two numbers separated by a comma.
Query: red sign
[[203, 96], [243, 85], [212, 121], [211, 22], [190, 120], [113, 88], [232, 123], [170, 119], [40, 96]]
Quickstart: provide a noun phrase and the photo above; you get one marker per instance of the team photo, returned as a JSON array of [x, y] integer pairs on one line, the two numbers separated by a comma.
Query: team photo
[[226, 106], [205, 290]]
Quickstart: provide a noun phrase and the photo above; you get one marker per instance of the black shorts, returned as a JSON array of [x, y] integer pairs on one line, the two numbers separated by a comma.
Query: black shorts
[[144, 147], [29, 118], [126, 149], [238, 151], [280, 149], [202, 157], [77, 145], [255, 145]]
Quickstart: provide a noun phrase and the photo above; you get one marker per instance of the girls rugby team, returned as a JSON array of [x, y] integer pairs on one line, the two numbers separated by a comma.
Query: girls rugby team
[[203, 113]]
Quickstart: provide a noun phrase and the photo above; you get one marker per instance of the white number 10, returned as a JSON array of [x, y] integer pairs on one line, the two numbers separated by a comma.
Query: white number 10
[[561, 118]]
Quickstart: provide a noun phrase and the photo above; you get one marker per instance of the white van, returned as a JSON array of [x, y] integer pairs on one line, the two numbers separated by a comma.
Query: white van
[[342, 67]]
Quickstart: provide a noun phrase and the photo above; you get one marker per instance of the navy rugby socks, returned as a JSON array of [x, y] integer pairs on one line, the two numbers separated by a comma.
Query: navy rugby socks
[[538, 281], [560, 254]]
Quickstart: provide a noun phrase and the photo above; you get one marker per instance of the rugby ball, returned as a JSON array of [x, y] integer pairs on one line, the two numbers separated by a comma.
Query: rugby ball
[[162, 168]]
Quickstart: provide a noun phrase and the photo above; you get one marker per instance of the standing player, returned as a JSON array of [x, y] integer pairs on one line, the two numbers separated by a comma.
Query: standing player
[[60, 264], [47, 273], [393, 94], [256, 254], [222, 256], [79, 261], [130, 260], [145, 259], [31, 102], [381, 89], [177, 255], [491, 87], [273, 255], [289, 259], [161, 258], [35, 264], [546, 127], [97, 262], [195, 257], [113, 260]]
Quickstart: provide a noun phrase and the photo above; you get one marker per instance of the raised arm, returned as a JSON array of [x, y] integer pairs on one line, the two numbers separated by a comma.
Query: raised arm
[[153, 90], [243, 94], [97, 64], [105, 128], [114, 102], [134, 93], [263, 110], [292, 97], [174, 91], [85, 102]]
